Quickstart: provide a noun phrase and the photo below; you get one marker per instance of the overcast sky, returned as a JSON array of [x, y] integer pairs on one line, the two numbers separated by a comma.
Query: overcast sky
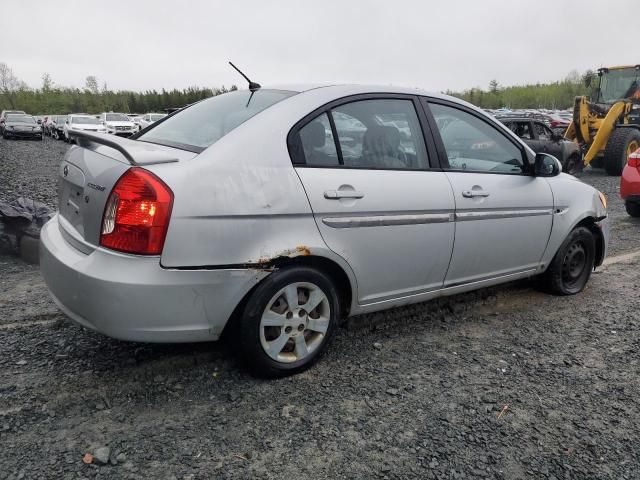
[[437, 45]]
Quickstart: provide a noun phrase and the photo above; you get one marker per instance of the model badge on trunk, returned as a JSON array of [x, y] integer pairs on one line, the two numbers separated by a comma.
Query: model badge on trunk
[[100, 188]]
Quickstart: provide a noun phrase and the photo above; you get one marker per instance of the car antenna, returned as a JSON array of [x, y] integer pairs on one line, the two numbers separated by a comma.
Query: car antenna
[[253, 86]]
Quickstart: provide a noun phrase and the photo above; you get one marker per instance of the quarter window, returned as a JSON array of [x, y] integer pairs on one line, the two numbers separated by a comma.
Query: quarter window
[[318, 145], [474, 145]]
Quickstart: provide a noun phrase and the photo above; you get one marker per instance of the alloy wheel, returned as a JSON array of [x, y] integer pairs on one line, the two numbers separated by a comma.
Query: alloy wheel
[[295, 321]]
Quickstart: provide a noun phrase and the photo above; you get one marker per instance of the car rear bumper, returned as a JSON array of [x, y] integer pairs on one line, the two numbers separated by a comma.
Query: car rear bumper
[[127, 133], [630, 184], [134, 298], [19, 134]]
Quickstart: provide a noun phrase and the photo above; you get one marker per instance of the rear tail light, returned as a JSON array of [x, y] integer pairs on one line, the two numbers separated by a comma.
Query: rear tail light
[[137, 213], [634, 159]]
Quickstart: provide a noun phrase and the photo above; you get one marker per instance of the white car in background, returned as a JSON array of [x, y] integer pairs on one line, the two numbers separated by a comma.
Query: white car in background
[[148, 118], [118, 124], [81, 122]]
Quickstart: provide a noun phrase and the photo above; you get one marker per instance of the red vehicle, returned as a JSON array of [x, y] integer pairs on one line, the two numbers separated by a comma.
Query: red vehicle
[[630, 184]]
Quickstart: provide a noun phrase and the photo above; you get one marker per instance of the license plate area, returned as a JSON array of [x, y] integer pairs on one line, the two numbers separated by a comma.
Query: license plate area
[[72, 194]]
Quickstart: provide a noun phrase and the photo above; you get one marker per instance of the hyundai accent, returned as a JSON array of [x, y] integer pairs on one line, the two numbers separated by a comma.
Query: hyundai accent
[[282, 210]]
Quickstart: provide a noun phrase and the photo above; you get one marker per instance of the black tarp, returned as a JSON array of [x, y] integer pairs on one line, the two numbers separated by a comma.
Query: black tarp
[[23, 216]]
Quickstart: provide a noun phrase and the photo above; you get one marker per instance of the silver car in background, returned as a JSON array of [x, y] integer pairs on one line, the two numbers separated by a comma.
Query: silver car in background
[[86, 123], [148, 119], [280, 211]]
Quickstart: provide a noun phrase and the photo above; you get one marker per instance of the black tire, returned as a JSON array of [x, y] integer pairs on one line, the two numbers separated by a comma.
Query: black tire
[[253, 353], [597, 162], [572, 264], [632, 208], [617, 152], [573, 164]]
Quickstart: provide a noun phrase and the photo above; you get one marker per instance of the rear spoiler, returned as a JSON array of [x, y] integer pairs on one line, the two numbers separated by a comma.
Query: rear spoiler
[[136, 153]]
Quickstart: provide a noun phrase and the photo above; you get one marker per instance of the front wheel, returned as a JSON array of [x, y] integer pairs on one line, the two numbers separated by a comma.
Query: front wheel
[[288, 321], [632, 208], [571, 267]]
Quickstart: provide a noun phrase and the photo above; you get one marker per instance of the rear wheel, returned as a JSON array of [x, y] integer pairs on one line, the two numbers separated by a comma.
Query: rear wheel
[[571, 267], [633, 208], [288, 321], [622, 143]]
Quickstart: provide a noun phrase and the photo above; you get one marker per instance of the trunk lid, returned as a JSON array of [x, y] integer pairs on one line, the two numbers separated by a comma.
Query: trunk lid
[[88, 173]]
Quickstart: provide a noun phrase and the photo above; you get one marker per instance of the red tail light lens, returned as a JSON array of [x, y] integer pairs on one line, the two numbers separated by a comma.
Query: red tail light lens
[[137, 213], [634, 159]]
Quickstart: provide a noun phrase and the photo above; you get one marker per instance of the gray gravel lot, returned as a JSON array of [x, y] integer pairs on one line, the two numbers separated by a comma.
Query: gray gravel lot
[[505, 383]]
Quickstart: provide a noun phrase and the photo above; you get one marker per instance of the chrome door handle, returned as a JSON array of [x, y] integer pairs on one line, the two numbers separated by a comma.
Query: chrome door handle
[[474, 193], [338, 194]]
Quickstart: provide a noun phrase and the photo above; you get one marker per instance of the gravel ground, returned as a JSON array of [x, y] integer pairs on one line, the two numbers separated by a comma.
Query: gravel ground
[[505, 383]]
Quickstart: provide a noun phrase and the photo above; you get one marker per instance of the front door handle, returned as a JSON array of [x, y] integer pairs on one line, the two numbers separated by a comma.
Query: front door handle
[[474, 193], [338, 194]]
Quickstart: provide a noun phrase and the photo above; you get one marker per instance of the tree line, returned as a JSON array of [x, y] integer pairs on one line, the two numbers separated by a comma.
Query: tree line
[[555, 96], [93, 98], [53, 99]]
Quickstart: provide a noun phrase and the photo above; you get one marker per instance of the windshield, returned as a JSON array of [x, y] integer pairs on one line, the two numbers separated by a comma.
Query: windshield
[[21, 118], [156, 116], [201, 125], [117, 117], [619, 84], [85, 120]]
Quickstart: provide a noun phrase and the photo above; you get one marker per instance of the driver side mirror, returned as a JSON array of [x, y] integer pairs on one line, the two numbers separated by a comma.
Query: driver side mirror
[[547, 165]]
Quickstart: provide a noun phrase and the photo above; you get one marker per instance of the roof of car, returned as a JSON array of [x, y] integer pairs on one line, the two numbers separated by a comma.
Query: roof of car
[[300, 88]]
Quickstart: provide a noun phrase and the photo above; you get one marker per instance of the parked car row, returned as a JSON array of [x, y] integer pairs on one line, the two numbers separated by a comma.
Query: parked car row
[[120, 124]]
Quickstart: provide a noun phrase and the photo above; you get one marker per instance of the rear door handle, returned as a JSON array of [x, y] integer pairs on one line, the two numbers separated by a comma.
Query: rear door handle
[[474, 193], [338, 194]]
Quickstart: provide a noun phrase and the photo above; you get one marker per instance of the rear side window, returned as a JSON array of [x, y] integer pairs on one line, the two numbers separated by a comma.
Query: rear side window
[[201, 125], [368, 134]]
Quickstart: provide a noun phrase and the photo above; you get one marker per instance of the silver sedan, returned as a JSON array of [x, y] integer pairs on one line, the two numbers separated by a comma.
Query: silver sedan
[[281, 211]]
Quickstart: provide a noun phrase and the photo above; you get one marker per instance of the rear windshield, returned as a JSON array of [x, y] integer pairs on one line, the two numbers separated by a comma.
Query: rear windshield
[[201, 125]]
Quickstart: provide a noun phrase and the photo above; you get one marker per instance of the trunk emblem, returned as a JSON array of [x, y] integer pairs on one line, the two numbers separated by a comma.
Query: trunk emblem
[[100, 188]]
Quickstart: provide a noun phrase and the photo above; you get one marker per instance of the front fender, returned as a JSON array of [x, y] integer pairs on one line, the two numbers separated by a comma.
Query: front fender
[[575, 203]]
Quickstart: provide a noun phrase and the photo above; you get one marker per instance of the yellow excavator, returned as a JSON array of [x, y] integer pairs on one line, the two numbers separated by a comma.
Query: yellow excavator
[[608, 129]]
